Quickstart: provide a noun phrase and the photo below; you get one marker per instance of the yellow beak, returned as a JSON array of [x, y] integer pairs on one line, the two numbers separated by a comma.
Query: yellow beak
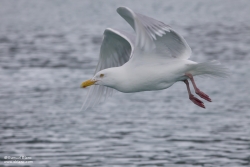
[[87, 83]]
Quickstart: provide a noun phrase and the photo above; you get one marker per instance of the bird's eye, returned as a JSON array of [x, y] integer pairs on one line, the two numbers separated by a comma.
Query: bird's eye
[[101, 75]]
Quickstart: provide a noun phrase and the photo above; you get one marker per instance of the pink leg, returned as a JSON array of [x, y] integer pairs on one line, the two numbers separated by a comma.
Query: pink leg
[[195, 100], [197, 91]]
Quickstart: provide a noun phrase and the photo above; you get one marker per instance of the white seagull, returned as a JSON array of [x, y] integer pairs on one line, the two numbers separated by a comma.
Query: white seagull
[[154, 58]]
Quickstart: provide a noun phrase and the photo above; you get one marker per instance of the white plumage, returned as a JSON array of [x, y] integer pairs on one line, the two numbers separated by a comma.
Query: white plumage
[[153, 59]]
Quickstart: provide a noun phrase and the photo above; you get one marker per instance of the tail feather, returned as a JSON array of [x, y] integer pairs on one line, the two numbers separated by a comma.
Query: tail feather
[[212, 69]]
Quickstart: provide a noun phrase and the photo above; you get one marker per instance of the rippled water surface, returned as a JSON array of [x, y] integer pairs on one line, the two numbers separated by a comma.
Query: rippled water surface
[[47, 48]]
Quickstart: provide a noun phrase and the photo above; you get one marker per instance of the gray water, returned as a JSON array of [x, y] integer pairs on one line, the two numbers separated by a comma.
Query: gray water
[[47, 48]]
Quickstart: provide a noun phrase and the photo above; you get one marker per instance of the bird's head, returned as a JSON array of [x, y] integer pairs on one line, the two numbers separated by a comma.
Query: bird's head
[[104, 77]]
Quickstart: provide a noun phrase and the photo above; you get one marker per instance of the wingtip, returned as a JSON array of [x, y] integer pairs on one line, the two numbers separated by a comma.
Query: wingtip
[[119, 9], [107, 30], [122, 9]]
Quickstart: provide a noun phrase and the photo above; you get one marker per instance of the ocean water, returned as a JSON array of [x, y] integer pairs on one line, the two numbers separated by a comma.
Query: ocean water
[[47, 48]]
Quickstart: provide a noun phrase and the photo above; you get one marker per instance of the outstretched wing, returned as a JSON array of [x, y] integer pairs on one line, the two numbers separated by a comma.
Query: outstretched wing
[[116, 49], [153, 34]]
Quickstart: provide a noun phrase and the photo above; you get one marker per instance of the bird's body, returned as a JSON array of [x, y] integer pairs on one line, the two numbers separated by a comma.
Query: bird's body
[[163, 74], [154, 58]]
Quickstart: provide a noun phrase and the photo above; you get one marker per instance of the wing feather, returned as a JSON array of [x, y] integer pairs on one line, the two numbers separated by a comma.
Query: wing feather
[[116, 49], [153, 34]]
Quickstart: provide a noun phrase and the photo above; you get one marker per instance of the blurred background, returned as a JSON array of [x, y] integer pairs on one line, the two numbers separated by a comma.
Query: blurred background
[[47, 48]]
